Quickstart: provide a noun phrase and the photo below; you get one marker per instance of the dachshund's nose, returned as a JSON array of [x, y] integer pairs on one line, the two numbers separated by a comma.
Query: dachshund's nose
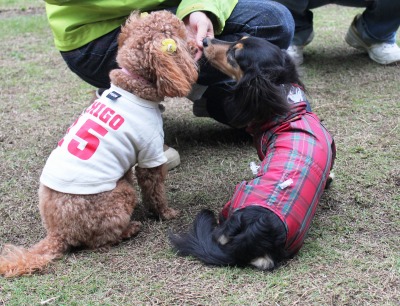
[[205, 42]]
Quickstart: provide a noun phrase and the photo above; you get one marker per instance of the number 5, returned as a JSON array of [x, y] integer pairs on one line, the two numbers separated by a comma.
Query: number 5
[[92, 141]]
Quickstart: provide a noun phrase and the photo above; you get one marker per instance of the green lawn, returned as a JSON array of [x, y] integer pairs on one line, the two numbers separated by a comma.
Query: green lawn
[[351, 255]]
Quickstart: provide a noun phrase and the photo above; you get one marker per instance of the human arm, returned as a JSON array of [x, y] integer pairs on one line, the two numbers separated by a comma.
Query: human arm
[[203, 18]]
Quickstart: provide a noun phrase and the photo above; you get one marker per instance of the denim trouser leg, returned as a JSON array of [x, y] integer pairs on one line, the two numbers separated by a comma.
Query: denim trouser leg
[[94, 61], [379, 22], [380, 19], [303, 18]]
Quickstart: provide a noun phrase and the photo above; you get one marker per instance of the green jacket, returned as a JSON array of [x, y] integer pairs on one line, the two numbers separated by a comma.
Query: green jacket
[[77, 22]]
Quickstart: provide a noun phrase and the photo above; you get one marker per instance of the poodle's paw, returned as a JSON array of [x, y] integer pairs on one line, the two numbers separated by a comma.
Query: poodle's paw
[[169, 213], [132, 230]]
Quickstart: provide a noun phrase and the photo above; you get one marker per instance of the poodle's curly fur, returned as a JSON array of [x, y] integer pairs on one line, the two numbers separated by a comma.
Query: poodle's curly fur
[[104, 219], [140, 53]]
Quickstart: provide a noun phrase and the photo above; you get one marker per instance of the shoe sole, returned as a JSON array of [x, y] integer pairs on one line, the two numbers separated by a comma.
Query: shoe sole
[[379, 61], [309, 39]]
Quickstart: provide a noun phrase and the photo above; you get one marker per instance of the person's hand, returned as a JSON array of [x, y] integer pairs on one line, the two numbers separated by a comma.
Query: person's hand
[[199, 26]]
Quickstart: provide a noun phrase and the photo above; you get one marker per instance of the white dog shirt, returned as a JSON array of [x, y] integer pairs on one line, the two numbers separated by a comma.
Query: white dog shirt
[[113, 134]]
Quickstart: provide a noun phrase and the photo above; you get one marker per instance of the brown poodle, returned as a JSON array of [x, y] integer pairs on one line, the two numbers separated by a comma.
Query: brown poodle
[[92, 207]]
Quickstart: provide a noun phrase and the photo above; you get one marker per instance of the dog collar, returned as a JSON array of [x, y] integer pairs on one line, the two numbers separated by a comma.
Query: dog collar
[[135, 76]]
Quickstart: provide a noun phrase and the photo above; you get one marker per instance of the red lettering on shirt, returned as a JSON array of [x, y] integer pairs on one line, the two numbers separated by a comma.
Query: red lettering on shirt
[[62, 140], [106, 114], [96, 113], [116, 122], [86, 135], [93, 107]]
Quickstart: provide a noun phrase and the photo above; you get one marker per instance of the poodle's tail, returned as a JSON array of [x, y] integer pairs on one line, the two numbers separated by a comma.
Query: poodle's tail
[[248, 236], [17, 261]]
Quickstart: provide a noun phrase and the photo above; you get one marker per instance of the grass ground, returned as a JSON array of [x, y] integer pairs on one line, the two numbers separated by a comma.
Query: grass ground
[[351, 255]]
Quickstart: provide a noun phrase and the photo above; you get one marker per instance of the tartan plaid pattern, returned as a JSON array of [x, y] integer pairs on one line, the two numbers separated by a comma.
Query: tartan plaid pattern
[[296, 148]]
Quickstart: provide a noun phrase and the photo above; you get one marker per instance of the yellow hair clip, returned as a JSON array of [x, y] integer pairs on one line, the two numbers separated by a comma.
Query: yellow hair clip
[[144, 14], [168, 45]]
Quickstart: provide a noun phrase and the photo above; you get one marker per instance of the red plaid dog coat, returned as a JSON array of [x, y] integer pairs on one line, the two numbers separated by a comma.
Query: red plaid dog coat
[[297, 153]]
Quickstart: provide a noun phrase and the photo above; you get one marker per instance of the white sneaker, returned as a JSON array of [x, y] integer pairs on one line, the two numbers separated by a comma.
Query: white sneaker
[[382, 53], [173, 158], [296, 51]]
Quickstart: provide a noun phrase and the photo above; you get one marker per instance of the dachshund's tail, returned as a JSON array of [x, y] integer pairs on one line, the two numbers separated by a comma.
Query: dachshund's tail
[[17, 261], [199, 241], [253, 236]]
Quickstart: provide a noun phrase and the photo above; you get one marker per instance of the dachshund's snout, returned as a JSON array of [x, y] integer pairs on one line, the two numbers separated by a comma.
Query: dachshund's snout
[[205, 42]]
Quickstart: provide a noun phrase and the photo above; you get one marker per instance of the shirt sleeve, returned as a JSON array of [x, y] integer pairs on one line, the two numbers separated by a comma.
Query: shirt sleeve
[[220, 9], [153, 154]]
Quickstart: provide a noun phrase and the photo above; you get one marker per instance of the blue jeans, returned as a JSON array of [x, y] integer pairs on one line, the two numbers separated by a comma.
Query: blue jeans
[[378, 23], [263, 18]]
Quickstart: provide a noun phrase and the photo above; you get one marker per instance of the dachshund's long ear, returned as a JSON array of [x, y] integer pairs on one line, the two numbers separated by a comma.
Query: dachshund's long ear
[[174, 67], [257, 100]]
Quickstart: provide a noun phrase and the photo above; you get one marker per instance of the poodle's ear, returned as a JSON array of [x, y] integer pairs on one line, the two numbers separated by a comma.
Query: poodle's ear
[[126, 29], [174, 67]]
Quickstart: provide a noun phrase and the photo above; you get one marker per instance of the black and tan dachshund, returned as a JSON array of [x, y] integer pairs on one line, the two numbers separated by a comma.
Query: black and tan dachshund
[[267, 219]]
